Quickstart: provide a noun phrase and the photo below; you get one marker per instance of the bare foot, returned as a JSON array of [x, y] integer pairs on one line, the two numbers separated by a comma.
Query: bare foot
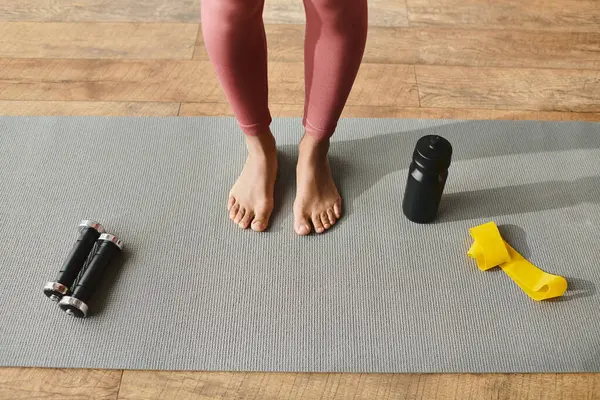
[[251, 198], [318, 203]]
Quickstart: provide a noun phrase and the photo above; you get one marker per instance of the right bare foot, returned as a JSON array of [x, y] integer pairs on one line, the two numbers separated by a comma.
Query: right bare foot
[[251, 198], [318, 202]]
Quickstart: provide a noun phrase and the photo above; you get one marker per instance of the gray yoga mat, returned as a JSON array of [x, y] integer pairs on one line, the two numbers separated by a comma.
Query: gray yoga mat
[[376, 294]]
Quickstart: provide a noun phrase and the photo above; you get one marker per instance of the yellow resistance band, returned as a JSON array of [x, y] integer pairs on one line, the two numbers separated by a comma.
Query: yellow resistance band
[[490, 250]]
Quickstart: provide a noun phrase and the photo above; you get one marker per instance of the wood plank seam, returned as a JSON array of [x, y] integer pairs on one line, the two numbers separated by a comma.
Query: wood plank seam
[[196, 42], [407, 8], [418, 64], [119, 386], [32, 40], [417, 85], [181, 104], [508, 110], [417, 48], [121, 101]]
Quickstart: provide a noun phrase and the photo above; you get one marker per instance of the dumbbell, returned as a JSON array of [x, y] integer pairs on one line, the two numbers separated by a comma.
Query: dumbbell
[[105, 249], [89, 232]]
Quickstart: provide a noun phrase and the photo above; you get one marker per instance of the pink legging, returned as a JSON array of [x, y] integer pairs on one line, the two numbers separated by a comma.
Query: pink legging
[[336, 32]]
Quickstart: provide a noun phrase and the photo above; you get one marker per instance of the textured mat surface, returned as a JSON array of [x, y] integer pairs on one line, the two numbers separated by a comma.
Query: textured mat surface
[[376, 294]]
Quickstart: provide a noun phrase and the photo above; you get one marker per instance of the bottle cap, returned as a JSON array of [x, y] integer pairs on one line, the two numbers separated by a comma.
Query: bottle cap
[[433, 152]]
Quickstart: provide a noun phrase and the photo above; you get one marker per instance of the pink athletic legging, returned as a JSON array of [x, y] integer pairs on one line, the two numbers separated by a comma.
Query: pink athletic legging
[[336, 32]]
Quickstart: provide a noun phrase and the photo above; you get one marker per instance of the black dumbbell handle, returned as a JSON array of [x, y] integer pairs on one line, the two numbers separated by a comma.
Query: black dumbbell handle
[[97, 262], [76, 258]]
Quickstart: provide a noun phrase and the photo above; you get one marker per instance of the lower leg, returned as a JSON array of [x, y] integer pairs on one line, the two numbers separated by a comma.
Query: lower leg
[[335, 41], [235, 40], [234, 36], [336, 33]]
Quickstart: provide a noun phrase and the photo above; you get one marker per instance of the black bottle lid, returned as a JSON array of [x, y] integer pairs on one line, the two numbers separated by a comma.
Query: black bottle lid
[[433, 153]]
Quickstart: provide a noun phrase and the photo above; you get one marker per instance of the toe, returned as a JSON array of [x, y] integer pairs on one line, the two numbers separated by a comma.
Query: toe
[[316, 220], [337, 209], [261, 220], [259, 225], [240, 215], [302, 226], [325, 220], [230, 203], [234, 211], [245, 222], [331, 216]]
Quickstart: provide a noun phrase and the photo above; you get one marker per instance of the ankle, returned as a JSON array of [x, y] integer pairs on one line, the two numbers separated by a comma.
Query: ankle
[[261, 145], [314, 147]]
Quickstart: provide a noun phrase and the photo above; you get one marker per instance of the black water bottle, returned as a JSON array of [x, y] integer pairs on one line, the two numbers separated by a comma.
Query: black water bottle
[[426, 178]]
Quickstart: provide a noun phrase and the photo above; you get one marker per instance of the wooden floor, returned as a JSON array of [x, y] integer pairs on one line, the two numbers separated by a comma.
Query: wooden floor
[[471, 59]]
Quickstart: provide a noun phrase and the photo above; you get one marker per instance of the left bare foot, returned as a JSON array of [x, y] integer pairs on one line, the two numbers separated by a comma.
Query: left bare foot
[[318, 203]]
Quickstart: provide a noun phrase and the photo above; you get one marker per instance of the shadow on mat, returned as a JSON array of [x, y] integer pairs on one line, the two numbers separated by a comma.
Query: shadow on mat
[[285, 186], [358, 165], [111, 275], [519, 199], [577, 288], [516, 237]]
